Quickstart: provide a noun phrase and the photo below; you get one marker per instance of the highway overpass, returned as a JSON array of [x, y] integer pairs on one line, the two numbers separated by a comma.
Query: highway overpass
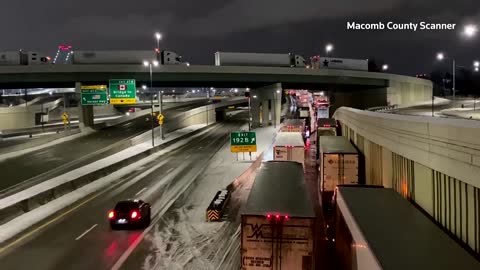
[[358, 89]]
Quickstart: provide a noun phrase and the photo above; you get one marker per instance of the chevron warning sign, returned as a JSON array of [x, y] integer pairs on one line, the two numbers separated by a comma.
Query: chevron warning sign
[[213, 215]]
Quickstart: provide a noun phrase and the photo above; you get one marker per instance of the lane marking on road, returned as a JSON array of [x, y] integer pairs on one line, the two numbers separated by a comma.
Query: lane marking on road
[[87, 231], [199, 148], [142, 190], [169, 170], [187, 156], [158, 215], [46, 224]]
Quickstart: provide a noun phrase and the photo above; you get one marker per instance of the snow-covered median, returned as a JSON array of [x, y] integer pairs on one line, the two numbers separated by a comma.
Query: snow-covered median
[[45, 145]]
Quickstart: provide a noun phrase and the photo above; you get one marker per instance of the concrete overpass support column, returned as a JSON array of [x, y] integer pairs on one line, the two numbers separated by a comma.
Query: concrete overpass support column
[[85, 113], [277, 107], [265, 113], [269, 94], [255, 111]]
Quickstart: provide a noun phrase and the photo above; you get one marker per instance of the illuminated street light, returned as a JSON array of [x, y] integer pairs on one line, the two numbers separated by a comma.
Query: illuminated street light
[[158, 37], [328, 48], [440, 57], [470, 30], [385, 67], [144, 87], [476, 64]]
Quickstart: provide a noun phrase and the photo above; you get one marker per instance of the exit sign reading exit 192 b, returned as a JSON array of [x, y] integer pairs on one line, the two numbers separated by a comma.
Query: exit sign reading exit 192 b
[[243, 142]]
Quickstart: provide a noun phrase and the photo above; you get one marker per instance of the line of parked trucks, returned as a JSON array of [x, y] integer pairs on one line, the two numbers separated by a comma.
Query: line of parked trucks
[[279, 223], [132, 57]]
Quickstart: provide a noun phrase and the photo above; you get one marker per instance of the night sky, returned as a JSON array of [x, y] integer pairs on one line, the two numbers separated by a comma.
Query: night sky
[[197, 29]]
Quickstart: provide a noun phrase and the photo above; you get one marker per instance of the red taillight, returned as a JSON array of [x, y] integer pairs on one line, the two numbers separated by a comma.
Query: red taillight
[[111, 214], [134, 214], [277, 217], [269, 216], [286, 217]]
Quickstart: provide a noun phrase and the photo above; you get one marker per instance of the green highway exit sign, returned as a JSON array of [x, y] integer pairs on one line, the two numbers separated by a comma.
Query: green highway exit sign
[[94, 94], [243, 142], [123, 91]]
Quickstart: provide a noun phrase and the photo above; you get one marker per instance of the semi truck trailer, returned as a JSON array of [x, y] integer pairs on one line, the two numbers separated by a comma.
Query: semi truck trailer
[[339, 63], [125, 57], [15, 58], [293, 125], [376, 228], [289, 146], [278, 223], [259, 59], [338, 165]]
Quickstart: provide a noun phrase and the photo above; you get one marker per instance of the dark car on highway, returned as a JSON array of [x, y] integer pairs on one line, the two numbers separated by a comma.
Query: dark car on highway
[[130, 213]]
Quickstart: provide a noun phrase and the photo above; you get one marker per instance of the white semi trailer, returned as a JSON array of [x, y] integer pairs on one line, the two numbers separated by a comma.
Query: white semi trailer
[[259, 59], [339, 63], [125, 57], [289, 146]]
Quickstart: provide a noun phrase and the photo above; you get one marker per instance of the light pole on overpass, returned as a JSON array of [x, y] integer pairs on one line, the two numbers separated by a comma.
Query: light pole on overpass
[[158, 37], [275, 107], [328, 48], [440, 57], [150, 65]]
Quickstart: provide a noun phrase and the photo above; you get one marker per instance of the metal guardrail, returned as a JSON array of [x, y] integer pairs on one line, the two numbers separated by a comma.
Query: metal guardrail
[[382, 108]]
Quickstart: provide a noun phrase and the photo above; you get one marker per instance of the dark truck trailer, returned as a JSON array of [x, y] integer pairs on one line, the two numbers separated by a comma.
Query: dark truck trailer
[[278, 224], [376, 228]]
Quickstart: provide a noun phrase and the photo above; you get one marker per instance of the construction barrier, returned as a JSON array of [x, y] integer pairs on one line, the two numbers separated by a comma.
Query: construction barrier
[[217, 206]]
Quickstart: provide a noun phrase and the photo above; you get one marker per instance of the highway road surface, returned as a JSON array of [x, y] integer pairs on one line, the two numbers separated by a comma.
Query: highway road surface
[[60, 158], [79, 237]]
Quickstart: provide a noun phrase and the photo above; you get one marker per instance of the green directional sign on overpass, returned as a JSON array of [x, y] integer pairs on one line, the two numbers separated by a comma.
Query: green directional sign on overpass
[[123, 91], [243, 141], [94, 94]]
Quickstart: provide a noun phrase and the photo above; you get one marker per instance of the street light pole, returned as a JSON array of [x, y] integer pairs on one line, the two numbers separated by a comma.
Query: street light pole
[[249, 115], [453, 88], [160, 99], [151, 105]]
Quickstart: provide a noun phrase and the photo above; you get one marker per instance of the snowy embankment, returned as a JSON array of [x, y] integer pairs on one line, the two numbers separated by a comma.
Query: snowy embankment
[[46, 145]]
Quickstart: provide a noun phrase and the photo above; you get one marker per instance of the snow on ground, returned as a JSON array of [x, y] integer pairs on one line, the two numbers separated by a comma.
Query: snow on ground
[[437, 102], [28, 136], [46, 145], [468, 113], [94, 166], [19, 224], [186, 240]]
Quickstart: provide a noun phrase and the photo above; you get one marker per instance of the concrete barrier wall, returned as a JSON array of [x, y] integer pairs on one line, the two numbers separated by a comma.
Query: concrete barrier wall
[[432, 162], [408, 90]]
